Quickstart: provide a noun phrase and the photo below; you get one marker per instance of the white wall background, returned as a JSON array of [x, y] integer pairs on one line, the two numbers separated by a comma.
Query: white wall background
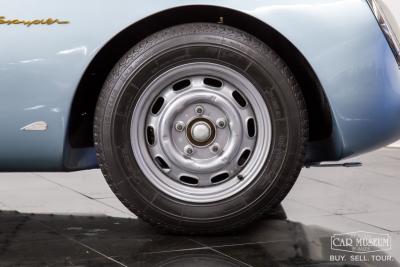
[[394, 5]]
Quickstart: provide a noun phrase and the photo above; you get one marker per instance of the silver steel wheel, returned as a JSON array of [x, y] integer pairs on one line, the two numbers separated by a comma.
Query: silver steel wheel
[[201, 132]]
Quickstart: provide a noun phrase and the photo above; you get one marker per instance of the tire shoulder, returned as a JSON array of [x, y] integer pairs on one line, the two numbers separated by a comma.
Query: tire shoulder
[[187, 29]]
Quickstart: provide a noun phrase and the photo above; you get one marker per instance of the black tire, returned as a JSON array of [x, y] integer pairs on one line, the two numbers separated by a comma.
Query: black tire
[[284, 101]]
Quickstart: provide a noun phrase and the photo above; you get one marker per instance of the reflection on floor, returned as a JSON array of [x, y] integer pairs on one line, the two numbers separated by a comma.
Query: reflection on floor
[[60, 240], [56, 219]]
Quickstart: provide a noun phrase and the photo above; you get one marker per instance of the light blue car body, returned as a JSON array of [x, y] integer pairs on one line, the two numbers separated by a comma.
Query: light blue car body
[[41, 68]]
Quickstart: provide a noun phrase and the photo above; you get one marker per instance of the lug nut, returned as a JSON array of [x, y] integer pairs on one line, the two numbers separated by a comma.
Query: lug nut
[[215, 148], [188, 150], [180, 126], [221, 123], [199, 109]]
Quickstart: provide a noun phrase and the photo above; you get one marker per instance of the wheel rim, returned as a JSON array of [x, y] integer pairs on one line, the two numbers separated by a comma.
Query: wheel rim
[[201, 132]]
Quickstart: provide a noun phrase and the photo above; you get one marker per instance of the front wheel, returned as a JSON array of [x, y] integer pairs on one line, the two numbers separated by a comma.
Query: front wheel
[[200, 128]]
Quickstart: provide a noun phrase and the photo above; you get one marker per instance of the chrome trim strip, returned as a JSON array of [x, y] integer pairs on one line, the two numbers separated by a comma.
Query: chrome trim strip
[[35, 126], [386, 28]]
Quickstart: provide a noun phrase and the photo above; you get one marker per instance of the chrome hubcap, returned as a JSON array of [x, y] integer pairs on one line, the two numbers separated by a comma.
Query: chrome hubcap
[[200, 132]]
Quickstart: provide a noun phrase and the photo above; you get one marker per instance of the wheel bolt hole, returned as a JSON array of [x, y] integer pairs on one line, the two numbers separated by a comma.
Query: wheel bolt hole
[[188, 150], [215, 148], [199, 110], [221, 123], [180, 126]]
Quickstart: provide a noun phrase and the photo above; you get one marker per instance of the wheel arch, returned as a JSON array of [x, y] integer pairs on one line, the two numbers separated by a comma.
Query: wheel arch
[[80, 125]]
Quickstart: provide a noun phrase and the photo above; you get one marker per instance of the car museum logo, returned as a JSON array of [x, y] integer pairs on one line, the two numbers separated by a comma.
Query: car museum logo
[[28, 23], [361, 242]]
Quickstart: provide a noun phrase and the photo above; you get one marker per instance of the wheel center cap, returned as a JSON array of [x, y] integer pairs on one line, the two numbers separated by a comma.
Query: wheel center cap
[[201, 132]]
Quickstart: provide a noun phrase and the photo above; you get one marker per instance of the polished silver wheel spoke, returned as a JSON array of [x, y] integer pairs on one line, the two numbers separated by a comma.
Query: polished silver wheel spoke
[[197, 128]]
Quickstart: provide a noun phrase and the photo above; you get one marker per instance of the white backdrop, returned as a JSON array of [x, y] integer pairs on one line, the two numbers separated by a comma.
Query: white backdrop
[[394, 5]]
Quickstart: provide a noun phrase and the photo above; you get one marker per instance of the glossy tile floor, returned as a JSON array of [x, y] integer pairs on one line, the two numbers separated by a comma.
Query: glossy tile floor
[[58, 219]]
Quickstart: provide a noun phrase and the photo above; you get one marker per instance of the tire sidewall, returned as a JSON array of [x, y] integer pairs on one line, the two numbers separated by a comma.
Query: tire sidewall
[[137, 69]]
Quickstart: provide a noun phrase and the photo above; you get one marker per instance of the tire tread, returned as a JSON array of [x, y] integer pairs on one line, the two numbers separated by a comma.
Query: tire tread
[[220, 30]]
